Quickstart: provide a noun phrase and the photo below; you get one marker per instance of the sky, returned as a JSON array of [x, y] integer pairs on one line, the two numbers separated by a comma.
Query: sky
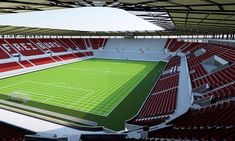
[[83, 19]]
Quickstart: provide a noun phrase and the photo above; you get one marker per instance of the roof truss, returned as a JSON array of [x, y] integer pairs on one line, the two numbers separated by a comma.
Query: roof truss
[[180, 16]]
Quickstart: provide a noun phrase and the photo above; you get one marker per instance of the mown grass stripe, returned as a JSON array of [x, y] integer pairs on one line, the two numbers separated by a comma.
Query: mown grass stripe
[[82, 86]]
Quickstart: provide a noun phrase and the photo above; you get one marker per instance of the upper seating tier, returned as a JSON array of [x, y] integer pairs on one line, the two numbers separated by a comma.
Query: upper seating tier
[[24, 47], [3, 54], [161, 101], [51, 44]]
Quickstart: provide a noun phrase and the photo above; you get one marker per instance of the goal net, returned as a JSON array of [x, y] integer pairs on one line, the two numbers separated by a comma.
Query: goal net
[[19, 96]]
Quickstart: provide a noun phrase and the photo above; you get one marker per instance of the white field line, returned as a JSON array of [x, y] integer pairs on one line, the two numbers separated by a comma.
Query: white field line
[[41, 94], [59, 83], [46, 84], [73, 88], [60, 86], [29, 94], [90, 69], [48, 99], [101, 71], [12, 85], [123, 97]]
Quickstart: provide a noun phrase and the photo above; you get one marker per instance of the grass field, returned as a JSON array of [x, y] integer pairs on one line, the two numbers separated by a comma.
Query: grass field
[[94, 86], [108, 92]]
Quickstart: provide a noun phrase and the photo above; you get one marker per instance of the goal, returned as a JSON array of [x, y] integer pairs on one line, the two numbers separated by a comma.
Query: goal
[[19, 96]]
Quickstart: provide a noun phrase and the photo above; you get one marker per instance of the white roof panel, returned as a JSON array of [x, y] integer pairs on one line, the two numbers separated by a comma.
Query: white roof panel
[[80, 19]]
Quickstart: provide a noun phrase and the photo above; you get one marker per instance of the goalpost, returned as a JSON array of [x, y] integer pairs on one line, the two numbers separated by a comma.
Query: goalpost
[[19, 96]]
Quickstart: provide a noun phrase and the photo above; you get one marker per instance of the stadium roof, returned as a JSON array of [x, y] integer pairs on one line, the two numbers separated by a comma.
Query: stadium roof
[[80, 19], [176, 16]]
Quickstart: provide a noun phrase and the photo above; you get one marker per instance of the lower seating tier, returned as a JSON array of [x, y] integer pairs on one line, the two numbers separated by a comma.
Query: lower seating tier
[[159, 104], [42, 61], [214, 122], [4, 67], [26, 63], [166, 83], [67, 56], [216, 134], [161, 101], [9, 66], [12, 133]]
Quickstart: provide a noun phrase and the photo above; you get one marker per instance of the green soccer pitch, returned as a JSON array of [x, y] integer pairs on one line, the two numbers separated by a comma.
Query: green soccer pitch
[[94, 86]]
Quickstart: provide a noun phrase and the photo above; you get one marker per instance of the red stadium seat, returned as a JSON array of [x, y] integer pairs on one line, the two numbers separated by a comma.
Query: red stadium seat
[[9, 66], [24, 47]]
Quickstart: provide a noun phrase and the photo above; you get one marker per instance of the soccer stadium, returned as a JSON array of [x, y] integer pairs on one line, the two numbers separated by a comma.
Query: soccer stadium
[[117, 70]]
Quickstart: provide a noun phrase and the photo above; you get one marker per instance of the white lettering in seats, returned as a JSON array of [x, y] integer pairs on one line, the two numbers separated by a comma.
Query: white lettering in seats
[[25, 46], [51, 44], [41, 45], [56, 44], [18, 47], [31, 45], [7, 47], [47, 44]]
